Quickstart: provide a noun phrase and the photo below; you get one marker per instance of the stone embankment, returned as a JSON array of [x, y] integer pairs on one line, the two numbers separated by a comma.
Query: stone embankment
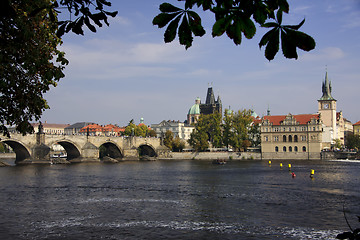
[[214, 155]]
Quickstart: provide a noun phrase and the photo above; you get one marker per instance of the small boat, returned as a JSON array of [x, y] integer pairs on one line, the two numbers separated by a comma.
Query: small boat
[[219, 161]]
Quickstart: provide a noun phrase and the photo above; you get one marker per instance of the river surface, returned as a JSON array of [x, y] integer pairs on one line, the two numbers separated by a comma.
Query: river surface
[[179, 200]]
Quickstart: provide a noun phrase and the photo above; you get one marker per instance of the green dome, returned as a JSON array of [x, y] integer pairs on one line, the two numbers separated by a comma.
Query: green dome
[[253, 114], [195, 109]]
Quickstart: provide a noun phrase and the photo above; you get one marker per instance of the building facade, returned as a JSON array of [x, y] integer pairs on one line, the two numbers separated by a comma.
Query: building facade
[[289, 135], [356, 128], [304, 136], [51, 128], [75, 128], [178, 128]]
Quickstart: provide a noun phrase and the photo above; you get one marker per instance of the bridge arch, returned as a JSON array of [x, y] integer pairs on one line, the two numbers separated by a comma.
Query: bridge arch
[[72, 150], [22, 152], [110, 149], [146, 150]]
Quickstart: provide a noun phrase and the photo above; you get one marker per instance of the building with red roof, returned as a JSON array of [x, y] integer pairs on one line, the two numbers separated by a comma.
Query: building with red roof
[[98, 130], [356, 128], [304, 136]]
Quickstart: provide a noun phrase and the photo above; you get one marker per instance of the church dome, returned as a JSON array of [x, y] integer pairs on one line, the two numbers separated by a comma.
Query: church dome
[[195, 109], [253, 114]]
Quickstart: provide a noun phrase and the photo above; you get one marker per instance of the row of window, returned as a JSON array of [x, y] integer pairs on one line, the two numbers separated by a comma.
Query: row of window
[[294, 129], [290, 149], [289, 138]]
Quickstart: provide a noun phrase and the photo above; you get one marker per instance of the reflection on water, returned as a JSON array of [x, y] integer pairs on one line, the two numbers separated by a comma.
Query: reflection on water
[[178, 200]]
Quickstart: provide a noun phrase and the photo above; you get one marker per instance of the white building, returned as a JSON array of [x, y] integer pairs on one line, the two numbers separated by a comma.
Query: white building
[[178, 128]]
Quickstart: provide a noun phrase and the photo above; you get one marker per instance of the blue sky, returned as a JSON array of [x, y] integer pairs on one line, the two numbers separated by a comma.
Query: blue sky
[[126, 71]]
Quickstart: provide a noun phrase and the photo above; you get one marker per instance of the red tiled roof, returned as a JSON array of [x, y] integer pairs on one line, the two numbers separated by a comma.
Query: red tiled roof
[[301, 118], [92, 128], [358, 123]]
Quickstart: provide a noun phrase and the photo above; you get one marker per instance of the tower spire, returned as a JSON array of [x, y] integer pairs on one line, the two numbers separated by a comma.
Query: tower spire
[[326, 89]]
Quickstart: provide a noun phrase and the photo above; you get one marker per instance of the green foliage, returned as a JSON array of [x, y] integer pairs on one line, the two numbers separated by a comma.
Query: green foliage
[[82, 12], [199, 140], [352, 141], [178, 145], [151, 133], [168, 139], [227, 127], [337, 143], [30, 61], [241, 125], [236, 18], [207, 130], [140, 130], [254, 135], [2, 148]]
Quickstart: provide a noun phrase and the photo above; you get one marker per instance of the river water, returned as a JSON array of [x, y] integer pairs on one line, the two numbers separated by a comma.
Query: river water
[[179, 200]]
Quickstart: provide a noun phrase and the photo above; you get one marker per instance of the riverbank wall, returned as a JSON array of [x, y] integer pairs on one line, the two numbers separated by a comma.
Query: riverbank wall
[[213, 156], [7, 155]]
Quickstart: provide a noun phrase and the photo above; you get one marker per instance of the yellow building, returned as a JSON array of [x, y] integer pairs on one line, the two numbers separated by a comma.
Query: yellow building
[[304, 136], [291, 136], [356, 128]]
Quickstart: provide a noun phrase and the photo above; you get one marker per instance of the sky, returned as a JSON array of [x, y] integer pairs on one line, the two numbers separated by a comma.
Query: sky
[[126, 71]]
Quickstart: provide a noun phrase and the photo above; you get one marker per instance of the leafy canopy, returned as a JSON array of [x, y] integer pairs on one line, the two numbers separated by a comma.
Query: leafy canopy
[[236, 18], [30, 60]]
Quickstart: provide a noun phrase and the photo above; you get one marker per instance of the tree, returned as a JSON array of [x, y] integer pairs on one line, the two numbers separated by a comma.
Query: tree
[[227, 127], [352, 141], [254, 135], [168, 139], [199, 140], [178, 145], [337, 143], [151, 133], [236, 18], [30, 60], [130, 128], [241, 125], [30, 63]]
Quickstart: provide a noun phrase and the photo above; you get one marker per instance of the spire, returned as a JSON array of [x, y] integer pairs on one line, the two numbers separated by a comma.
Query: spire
[[210, 98], [218, 100], [326, 89]]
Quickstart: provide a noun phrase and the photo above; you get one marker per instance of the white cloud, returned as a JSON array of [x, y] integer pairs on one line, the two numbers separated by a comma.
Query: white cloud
[[326, 54]]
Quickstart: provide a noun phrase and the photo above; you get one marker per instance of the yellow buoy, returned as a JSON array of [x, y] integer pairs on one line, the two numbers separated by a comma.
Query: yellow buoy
[[312, 171], [281, 165], [269, 162], [289, 165]]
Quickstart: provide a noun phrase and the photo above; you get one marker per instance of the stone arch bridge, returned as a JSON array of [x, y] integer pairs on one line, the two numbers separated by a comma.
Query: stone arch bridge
[[35, 148]]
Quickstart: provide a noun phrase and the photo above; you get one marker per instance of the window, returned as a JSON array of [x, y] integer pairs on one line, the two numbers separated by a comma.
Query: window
[[276, 129], [276, 138], [276, 149], [304, 149], [266, 139], [314, 128], [284, 149], [295, 138], [290, 129], [290, 149], [290, 138], [295, 148], [284, 138], [303, 138]]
